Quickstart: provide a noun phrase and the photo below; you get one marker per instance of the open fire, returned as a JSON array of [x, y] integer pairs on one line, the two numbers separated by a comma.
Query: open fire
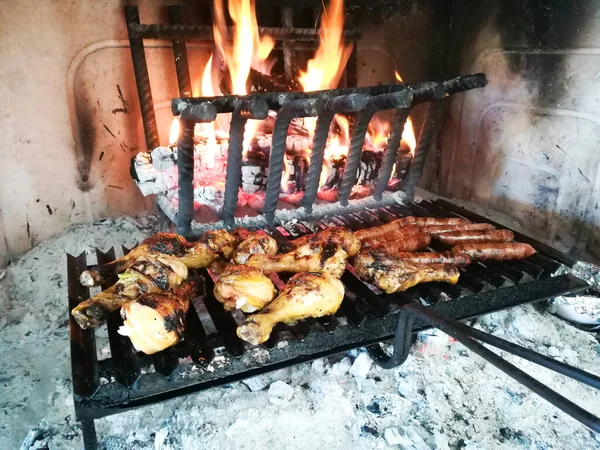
[[236, 57]]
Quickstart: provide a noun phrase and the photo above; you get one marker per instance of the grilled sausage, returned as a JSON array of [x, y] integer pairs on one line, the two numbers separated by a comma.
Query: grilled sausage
[[405, 222], [410, 243], [458, 260], [438, 229], [513, 250], [397, 235], [475, 237]]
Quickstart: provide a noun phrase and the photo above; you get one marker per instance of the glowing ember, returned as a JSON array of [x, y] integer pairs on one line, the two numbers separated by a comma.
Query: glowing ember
[[408, 134]]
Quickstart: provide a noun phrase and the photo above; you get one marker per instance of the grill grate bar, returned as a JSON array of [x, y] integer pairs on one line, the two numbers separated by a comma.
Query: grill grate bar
[[125, 362], [84, 361], [224, 322]]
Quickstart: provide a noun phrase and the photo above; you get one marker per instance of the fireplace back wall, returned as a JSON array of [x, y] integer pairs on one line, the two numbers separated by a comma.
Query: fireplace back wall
[[528, 144]]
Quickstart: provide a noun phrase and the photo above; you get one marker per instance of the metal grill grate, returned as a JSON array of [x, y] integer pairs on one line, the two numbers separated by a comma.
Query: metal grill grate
[[219, 357]]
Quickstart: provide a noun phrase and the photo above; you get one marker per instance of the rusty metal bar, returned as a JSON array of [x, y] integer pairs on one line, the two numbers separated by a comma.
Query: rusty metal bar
[[142, 80]]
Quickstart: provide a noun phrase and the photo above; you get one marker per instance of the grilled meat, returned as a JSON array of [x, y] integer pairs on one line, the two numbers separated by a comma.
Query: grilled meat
[[147, 275], [437, 229], [406, 221], [305, 295], [335, 235], [400, 242], [256, 242], [329, 258], [245, 288], [155, 322], [495, 251], [391, 274], [194, 255], [475, 237], [457, 260]]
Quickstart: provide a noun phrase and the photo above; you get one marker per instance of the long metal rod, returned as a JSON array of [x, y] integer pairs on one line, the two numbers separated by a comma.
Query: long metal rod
[[185, 167], [342, 104], [535, 357], [297, 108], [180, 54], [142, 80], [391, 152], [233, 176], [401, 99], [206, 33], [539, 388], [426, 137], [421, 92]]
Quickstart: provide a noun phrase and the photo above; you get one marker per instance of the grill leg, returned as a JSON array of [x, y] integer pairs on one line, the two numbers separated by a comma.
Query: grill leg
[[88, 429]]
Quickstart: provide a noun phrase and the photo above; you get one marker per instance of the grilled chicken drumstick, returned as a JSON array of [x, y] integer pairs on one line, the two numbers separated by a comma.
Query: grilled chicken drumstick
[[329, 258], [406, 221], [482, 252], [305, 295], [155, 322], [147, 275], [391, 274], [194, 255], [335, 235], [245, 288], [252, 243], [475, 237]]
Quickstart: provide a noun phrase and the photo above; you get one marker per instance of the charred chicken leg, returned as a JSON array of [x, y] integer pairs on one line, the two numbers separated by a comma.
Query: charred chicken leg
[[335, 235], [245, 288], [155, 322], [328, 258], [392, 274], [148, 274], [305, 295], [253, 243], [194, 255]]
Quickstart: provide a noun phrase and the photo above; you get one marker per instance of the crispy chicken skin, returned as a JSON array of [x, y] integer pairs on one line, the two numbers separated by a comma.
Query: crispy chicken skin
[[335, 235], [329, 258], [147, 275], [253, 243], [194, 255], [305, 295], [391, 274], [405, 222], [155, 322], [494, 251], [245, 288]]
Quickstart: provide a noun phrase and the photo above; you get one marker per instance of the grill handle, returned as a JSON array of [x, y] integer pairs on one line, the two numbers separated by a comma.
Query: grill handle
[[469, 336]]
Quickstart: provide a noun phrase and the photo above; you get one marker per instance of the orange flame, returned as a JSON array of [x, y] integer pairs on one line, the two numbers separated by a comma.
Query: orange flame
[[326, 68], [248, 49], [408, 134], [174, 133]]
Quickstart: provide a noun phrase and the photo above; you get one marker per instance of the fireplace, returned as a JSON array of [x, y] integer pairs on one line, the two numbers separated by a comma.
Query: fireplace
[[258, 138], [431, 109]]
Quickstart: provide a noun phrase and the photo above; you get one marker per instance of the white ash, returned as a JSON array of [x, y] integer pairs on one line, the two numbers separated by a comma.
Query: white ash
[[452, 399]]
